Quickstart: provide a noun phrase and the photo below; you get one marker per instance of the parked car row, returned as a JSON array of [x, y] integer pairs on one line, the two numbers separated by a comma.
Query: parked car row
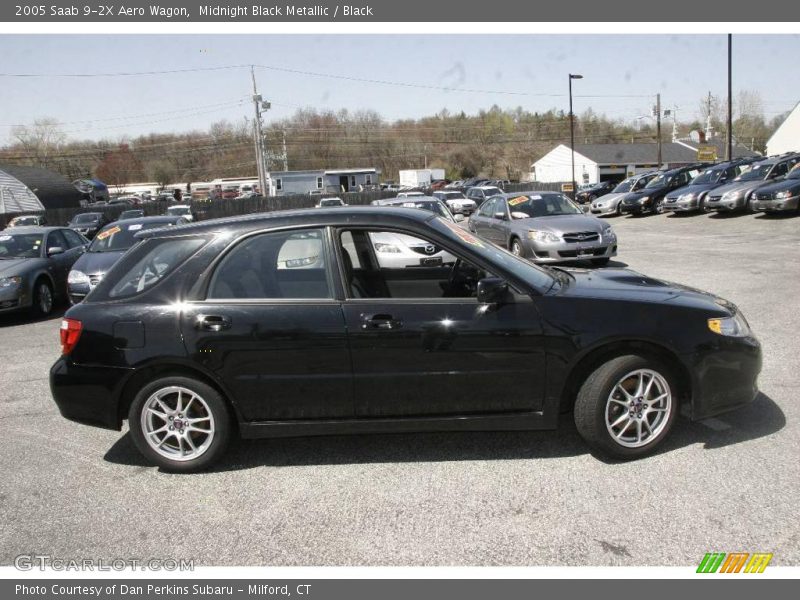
[[766, 184]]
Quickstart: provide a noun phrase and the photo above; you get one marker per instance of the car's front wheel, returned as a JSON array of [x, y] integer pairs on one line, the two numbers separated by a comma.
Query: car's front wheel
[[516, 247], [627, 406], [180, 424]]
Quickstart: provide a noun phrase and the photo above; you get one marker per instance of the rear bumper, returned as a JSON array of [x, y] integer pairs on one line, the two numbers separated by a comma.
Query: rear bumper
[[88, 395], [724, 377]]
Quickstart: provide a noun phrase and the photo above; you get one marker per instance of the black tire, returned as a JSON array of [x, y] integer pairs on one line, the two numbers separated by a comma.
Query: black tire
[[600, 262], [594, 396], [217, 407], [40, 306], [516, 247]]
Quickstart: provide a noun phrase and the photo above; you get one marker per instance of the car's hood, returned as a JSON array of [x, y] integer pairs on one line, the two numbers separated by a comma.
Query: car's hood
[[626, 284], [743, 186], [610, 197], [634, 196], [780, 186], [18, 266], [96, 262], [691, 189], [560, 224]]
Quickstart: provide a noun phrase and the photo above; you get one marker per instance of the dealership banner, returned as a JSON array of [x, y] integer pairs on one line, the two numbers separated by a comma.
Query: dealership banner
[[385, 589], [406, 11]]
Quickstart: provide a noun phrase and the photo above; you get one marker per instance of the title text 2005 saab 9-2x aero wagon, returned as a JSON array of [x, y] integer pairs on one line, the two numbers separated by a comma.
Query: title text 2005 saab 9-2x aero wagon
[[286, 324]]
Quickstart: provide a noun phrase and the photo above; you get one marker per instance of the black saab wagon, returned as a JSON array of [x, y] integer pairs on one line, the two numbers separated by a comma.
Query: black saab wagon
[[292, 324]]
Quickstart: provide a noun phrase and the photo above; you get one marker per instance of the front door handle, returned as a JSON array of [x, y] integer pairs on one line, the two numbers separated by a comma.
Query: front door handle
[[380, 321], [212, 322]]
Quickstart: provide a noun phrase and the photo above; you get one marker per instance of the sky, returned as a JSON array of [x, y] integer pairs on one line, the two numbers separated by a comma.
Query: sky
[[622, 74]]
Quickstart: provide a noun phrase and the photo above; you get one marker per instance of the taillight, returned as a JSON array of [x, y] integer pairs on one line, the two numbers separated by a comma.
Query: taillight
[[70, 333]]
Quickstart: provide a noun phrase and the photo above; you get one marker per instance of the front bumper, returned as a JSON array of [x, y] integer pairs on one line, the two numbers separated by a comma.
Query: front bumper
[[410, 259], [723, 204], [607, 208], [555, 252], [88, 395], [635, 209], [777, 205], [461, 209], [724, 375], [681, 205], [12, 299]]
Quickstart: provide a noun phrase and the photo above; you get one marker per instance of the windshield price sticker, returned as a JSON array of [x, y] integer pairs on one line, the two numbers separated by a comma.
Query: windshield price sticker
[[135, 227], [108, 233], [517, 200]]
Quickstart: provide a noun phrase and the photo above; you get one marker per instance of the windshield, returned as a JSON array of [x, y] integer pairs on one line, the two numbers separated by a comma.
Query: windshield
[[625, 186], [492, 254], [492, 191], [178, 210], [709, 176], [20, 245], [131, 214], [118, 237], [23, 221], [755, 173], [449, 195], [659, 181], [434, 207], [542, 205], [86, 218]]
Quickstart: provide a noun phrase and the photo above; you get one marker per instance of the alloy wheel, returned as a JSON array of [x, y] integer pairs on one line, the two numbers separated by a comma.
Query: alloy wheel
[[638, 408], [177, 423], [45, 299]]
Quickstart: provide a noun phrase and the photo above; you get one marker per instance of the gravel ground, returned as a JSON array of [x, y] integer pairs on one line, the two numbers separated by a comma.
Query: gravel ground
[[530, 498]]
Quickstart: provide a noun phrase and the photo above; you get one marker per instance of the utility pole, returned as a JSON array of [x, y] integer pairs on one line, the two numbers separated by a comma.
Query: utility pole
[[709, 127], [572, 132], [259, 139], [729, 132], [658, 126], [285, 156]]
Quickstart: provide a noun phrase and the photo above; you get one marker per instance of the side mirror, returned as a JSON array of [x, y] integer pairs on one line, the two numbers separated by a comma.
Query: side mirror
[[55, 250], [500, 215], [492, 290], [459, 218]]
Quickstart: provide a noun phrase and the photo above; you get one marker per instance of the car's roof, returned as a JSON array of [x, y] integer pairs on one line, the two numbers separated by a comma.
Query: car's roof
[[529, 193], [31, 229], [311, 217], [159, 219], [90, 212], [179, 206]]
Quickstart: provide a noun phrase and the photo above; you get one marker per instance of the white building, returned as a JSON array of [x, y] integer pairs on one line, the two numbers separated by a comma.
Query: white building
[[323, 181], [786, 137], [603, 162]]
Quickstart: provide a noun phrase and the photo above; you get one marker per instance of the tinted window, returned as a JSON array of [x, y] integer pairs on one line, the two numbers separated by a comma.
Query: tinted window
[[86, 218], [56, 240], [285, 264], [161, 256], [120, 236]]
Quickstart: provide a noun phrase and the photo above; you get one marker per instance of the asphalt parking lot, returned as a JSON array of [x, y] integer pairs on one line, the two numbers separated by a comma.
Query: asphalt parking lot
[[530, 498]]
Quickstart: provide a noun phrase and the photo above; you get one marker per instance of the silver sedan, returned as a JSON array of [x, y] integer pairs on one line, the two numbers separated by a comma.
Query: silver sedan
[[546, 227]]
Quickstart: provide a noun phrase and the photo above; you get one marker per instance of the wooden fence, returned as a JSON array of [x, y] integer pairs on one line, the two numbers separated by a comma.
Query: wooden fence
[[214, 209]]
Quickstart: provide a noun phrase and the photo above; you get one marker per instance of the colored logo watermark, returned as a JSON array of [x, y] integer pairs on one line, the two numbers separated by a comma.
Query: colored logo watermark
[[734, 562]]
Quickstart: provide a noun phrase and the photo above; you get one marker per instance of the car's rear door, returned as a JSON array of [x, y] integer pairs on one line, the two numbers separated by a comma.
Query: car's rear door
[[271, 329]]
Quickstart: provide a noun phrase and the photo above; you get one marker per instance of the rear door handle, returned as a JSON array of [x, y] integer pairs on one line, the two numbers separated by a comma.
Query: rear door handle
[[380, 321], [212, 322]]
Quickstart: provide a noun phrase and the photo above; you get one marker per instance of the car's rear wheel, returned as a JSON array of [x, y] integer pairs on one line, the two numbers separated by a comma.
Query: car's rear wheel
[[43, 299], [180, 424], [627, 406]]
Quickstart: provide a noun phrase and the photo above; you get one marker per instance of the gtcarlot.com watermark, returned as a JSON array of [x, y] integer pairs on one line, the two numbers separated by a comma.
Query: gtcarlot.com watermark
[[45, 562]]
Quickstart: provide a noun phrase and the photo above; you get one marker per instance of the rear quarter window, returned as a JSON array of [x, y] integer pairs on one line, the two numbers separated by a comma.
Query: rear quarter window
[[154, 260]]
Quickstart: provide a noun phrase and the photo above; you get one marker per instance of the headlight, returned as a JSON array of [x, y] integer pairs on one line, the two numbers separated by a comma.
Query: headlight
[[644, 199], [784, 194], [77, 277], [10, 282], [687, 197], [543, 236], [609, 235], [735, 326], [732, 195], [389, 248]]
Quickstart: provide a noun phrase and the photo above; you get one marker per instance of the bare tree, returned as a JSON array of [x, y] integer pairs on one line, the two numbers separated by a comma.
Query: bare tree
[[40, 141]]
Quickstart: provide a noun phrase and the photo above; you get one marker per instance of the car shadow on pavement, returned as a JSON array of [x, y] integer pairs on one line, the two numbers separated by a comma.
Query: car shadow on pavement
[[721, 214], [778, 216], [23, 317], [761, 418]]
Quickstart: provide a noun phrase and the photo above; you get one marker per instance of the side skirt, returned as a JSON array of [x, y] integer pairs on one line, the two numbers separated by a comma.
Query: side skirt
[[494, 422]]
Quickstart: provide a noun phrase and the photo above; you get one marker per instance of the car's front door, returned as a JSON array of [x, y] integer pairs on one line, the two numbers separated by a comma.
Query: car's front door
[[422, 345], [60, 264], [499, 223], [271, 329]]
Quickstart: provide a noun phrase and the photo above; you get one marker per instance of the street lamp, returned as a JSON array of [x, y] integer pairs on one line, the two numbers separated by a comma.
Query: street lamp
[[572, 130]]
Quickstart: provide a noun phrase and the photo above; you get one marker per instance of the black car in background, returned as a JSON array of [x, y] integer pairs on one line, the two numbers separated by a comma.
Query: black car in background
[[650, 199], [134, 213], [34, 262], [285, 324], [88, 224], [107, 248], [594, 192]]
